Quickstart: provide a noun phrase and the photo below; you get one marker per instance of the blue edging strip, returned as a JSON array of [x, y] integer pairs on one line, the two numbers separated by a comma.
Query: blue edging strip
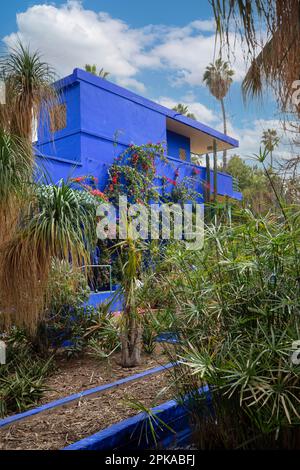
[[108, 439], [78, 396]]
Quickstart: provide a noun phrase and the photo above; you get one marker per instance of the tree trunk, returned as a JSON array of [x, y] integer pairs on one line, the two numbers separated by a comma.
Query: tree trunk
[[207, 190], [131, 341], [225, 132]]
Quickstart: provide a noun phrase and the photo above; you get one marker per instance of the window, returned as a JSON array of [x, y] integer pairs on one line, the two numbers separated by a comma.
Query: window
[[182, 154], [58, 118]]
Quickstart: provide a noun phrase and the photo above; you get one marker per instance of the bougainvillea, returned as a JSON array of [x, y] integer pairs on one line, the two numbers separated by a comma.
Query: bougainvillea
[[88, 184], [98, 194], [88, 179], [133, 173]]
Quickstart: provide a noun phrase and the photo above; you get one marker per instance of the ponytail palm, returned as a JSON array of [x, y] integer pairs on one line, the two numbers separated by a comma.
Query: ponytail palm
[[29, 90], [15, 173], [58, 223]]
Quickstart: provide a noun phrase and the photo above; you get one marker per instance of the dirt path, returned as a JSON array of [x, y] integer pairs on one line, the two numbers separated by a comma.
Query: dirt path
[[59, 427]]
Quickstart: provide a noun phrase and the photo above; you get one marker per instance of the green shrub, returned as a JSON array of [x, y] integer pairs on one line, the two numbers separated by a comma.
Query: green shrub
[[237, 314], [103, 333], [65, 320], [67, 287], [22, 377]]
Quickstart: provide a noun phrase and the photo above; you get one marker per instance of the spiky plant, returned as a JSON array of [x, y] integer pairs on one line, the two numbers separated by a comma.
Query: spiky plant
[[237, 319], [29, 90], [131, 329], [56, 224], [15, 176]]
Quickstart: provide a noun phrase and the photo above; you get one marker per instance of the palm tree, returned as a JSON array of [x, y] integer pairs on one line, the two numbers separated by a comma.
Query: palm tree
[[184, 110], [131, 325], [218, 78], [270, 140], [55, 224], [36, 223], [277, 64], [15, 178], [29, 90], [93, 70]]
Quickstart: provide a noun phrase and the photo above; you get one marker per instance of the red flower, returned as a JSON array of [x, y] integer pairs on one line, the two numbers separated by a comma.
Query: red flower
[[98, 193], [114, 179], [171, 181], [78, 179], [196, 171], [134, 158]]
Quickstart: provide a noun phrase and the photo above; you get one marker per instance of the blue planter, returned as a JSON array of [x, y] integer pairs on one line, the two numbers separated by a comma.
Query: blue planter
[[134, 433]]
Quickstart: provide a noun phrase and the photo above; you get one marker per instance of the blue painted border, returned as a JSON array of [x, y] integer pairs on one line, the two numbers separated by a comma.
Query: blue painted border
[[126, 435], [77, 396]]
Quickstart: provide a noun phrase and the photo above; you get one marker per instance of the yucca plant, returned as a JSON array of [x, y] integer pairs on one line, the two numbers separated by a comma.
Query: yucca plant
[[130, 253], [56, 224]]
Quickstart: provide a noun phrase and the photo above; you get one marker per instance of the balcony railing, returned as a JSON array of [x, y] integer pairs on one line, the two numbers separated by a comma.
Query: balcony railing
[[235, 185]]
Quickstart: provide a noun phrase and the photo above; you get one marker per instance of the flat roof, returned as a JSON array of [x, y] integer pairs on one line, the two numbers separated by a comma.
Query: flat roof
[[201, 136]]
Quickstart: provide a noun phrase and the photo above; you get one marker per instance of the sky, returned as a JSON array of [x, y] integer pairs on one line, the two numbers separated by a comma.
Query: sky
[[158, 49]]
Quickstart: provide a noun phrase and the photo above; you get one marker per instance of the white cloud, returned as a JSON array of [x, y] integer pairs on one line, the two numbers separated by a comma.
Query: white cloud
[[250, 135], [129, 82], [202, 113], [70, 36], [189, 54]]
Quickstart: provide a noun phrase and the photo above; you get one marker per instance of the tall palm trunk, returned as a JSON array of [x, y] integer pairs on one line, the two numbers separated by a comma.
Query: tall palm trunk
[[225, 132]]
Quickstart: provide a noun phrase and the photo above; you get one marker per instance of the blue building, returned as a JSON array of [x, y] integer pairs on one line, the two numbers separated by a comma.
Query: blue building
[[99, 120]]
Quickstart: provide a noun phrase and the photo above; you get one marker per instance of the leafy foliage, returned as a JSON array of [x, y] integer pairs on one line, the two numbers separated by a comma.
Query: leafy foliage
[[22, 377], [237, 316], [29, 91], [58, 223], [133, 172]]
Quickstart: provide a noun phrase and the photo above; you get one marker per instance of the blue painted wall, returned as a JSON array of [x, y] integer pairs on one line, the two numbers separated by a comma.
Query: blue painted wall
[[102, 120], [175, 142]]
